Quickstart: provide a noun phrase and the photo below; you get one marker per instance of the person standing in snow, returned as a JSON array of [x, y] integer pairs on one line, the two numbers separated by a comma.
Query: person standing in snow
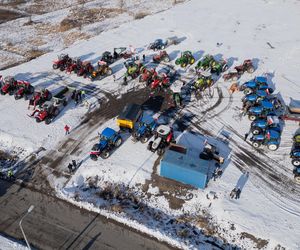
[[237, 193], [144, 58], [67, 129], [233, 193], [114, 77], [246, 136]]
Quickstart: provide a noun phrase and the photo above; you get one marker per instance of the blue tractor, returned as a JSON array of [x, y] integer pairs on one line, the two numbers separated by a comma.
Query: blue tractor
[[295, 152], [261, 110], [255, 97], [270, 138], [146, 128], [258, 83], [260, 125], [109, 139]]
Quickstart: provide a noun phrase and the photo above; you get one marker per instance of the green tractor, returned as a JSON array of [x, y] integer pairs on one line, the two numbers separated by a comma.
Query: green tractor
[[218, 67], [185, 59], [133, 69], [203, 82], [205, 63]]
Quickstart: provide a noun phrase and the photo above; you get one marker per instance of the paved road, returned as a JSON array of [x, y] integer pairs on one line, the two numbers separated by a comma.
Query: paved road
[[55, 224]]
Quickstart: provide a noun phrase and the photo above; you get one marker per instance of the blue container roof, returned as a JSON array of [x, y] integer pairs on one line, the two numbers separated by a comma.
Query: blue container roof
[[108, 132], [189, 160]]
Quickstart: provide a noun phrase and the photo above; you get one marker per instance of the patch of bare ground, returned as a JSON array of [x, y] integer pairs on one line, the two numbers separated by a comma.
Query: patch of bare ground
[[7, 15], [260, 243], [74, 36], [81, 16], [29, 54], [141, 15]]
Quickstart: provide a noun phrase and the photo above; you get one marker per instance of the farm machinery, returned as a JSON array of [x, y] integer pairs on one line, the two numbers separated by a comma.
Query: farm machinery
[[258, 83], [39, 97], [209, 63], [62, 62], [162, 138], [261, 110], [203, 82], [270, 138], [185, 59], [85, 69], [295, 151], [74, 66], [234, 75], [18, 88], [102, 70], [260, 125], [109, 139], [118, 53], [159, 44], [129, 116], [210, 152], [133, 69], [162, 56], [148, 75], [51, 109], [145, 130]]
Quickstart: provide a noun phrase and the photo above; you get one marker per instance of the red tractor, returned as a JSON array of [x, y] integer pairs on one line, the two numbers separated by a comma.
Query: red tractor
[[160, 82], [47, 113], [85, 69], [24, 89], [239, 70], [74, 66], [148, 75], [161, 57], [39, 97], [62, 62], [8, 86]]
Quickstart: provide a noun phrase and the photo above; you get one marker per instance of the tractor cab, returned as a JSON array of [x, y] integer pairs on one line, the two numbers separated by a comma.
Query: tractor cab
[[261, 80]]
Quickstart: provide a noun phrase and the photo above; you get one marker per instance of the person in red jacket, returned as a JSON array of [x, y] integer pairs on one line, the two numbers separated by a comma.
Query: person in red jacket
[[67, 129]]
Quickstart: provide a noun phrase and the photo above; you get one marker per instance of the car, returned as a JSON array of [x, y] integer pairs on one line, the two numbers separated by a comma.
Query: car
[[108, 140]]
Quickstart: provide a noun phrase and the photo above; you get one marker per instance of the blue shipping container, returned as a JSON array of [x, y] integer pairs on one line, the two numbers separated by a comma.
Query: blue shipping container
[[185, 166]]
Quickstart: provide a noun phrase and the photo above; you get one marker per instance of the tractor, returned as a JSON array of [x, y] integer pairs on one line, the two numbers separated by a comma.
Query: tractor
[[239, 70], [102, 70], [162, 138], [145, 130], [185, 59], [39, 97], [255, 97], [9, 85], [62, 62], [24, 89], [205, 63], [47, 113], [270, 138], [160, 82], [109, 139], [260, 125], [85, 69], [218, 67], [254, 85], [74, 66], [203, 82], [133, 69], [162, 56], [148, 75], [261, 110], [295, 151], [158, 44]]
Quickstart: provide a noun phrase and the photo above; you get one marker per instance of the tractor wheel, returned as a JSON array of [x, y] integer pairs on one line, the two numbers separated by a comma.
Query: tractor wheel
[[167, 59], [54, 66], [144, 139], [93, 157], [95, 147], [162, 47], [250, 70], [149, 145], [17, 97], [192, 60], [256, 144], [62, 68], [109, 72], [272, 147], [224, 68], [234, 78], [141, 78], [247, 91], [105, 154], [160, 151], [256, 131], [297, 179], [296, 162], [48, 120], [37, 120], [183, 65], [118, 142], [252, 117]]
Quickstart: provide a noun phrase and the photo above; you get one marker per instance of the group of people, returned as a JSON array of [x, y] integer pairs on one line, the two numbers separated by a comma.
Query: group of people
[[235, 193], [72, 166]]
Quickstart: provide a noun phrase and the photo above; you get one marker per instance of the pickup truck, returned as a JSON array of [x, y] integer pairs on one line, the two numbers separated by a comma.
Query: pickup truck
[[129, 116]]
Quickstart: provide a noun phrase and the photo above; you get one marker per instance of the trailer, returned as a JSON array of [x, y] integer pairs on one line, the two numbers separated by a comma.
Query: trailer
[[291, 113]]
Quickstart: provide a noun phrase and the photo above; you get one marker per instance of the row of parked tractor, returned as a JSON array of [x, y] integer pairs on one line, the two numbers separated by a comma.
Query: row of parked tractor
[[46, 105]]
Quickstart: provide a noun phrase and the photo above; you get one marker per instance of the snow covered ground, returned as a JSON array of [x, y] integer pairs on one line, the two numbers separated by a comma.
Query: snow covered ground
[[8, 244], [268, 212]]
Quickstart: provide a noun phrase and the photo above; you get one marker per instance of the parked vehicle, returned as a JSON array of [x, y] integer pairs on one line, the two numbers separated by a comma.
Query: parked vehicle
[[205, 63], [158, 44], [102, 70], [85, 69], [271, 139], [160, 82], [23, 89], [148, 75], [61, 63], [217, 67], [162, 56], [203, 82], [259, 126], [162, 139], [185, 59], [295, 151], [39, 97], [50, 109], [118, 53], [256, 84], [239, 70], [129, 116], [74, 66], [8, 86], [255, 97], [109, 139], [133, 69], [146, 127], [261, 110]]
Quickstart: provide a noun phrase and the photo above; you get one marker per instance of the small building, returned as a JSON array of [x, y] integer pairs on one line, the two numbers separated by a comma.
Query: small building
[[184, 165]]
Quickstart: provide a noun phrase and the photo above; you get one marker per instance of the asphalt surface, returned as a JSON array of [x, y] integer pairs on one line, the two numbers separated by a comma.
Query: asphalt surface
[[56, 224]]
